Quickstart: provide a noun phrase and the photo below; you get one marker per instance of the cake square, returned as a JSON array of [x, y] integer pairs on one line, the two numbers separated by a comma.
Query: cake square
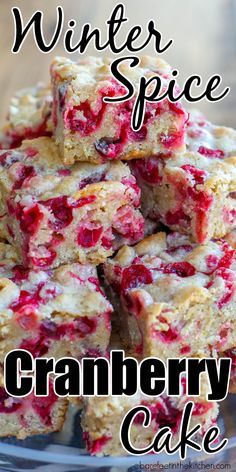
[[56, 214], [193, 192], [88, 129], [102, 418], [57, 313], [28, 117], [173, 297]]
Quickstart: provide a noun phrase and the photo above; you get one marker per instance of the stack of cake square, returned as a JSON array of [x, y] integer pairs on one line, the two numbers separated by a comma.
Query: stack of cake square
[[77, 184]]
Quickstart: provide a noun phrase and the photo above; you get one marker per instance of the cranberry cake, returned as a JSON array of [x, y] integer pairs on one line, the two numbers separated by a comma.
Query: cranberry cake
[[22, 417], [57, 313], [102, 418], [166, 288], [191, 192], [57, 214], [88, 129], [29, 116]]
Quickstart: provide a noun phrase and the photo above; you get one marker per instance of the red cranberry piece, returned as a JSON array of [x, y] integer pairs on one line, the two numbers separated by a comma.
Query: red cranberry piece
[[95, 446], [128, 223], [90, 121], [203, 202], [136, 304], [12, 406], [178, 109], [225, 332], [201, 225], [44, 262], [212, 262], [176, 217], [185, 350], [31, 133], [64, 172], [211, 152], [81, 327], [16, 141], [197, 174], [20, 274], [138, 135], [30, 151], [56, 240], [30, 219], [85, 326], [148, 170], [107, 242], [227, 260], [27, 298], [172, 140], [38, 346], [164, 415], [134, 276], [25, 173], [24, 298], [49, 329], [182, 269], [201, 408], [84, 201], [169, 336], [95, 281], [61, 211], [43, 406], [229, 278], [77, 277], [27, 318], [88, 236]]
